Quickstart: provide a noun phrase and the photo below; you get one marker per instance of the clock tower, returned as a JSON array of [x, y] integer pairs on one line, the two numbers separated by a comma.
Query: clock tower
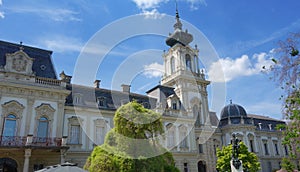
[[182, 72]]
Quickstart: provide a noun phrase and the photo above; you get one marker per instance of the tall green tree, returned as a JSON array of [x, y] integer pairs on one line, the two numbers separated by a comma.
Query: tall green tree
[[132, 145], [249, 159], [286, 72]]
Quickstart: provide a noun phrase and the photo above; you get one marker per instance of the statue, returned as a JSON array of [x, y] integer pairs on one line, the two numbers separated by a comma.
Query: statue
[[236, 164]]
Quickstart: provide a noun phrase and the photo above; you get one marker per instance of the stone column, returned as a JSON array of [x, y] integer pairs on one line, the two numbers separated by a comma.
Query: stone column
[[26, 160], [62, 155]]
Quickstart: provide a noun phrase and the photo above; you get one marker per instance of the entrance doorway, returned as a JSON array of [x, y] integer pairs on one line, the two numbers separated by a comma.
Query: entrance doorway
[[201, 166], [8, 165]]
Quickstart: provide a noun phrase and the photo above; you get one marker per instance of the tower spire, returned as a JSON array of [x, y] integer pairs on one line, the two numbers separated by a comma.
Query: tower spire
[[178, 24], [177, 14]]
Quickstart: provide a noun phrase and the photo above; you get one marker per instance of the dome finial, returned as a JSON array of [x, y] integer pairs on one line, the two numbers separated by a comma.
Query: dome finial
[[231, 101]]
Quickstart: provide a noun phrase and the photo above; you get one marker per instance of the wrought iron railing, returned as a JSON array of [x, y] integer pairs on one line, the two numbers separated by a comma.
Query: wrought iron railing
[[20, 141], [12, 141]]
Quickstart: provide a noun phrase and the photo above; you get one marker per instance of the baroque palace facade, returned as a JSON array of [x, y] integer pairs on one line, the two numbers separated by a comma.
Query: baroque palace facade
[[45, 120]]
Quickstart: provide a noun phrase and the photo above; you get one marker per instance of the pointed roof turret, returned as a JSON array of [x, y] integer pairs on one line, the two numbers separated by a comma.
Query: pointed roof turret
[[179, 36]]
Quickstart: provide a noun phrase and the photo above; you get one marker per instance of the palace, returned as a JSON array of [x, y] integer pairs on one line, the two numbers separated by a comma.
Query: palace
[[46, 120]]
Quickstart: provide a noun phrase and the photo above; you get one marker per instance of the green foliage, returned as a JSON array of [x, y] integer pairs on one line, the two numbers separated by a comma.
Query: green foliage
[[129, 144], [249, 160]]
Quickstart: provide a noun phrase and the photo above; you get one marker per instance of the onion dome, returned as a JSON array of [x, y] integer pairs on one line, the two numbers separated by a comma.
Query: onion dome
[[233, 110], [179, 36]]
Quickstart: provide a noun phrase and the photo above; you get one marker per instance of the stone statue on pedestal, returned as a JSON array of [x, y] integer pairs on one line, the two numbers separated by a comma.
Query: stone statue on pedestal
[[235, 163]]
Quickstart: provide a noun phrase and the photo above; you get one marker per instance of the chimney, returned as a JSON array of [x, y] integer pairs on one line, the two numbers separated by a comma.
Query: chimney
[[65, 78], [126, 88], [97, 83]]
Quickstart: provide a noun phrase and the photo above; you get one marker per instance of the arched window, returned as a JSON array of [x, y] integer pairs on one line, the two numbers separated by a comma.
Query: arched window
[[183, 136], [172, 65], [188, 62], [170, 135], [10, 125], [42, 131], [196, 113]]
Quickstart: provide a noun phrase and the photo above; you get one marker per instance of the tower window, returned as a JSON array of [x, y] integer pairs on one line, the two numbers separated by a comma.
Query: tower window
[[188, 62], [201, 148], [172, 65]]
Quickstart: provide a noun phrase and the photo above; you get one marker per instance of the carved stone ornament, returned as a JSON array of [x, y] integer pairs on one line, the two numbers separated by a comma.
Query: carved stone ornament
[[12, 107], [19, 62], [45, 110]]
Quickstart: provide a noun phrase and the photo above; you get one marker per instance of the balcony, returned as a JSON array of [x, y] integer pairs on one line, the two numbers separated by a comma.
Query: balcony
[[29, 141], [49, 82]]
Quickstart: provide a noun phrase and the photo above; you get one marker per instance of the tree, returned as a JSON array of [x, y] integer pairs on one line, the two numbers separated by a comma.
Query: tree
[[249, 159], [132, 145], [286, 72]]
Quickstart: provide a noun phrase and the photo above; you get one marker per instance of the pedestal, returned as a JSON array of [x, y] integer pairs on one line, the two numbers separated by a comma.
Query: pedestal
[[26, 160], [233, 169]]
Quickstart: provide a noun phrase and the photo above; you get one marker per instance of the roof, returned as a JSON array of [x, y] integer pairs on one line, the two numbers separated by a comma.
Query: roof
[[42, 64], [213, 119], [166, 90], [262, 117], [111, 99], [233, 110]]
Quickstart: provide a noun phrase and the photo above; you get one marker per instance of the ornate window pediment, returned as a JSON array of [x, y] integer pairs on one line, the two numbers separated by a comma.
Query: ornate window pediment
[[12, 107], [19, 62], [45, 110]]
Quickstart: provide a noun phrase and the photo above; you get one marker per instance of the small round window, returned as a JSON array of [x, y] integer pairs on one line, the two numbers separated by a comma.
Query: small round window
[[43, 67]]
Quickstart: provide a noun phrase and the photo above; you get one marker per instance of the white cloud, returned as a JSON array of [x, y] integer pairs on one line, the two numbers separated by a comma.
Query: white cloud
[[145, 5], [153, 70], [153, 14], [194, 4], [64, 44], [1, 14], [60, 43], [148, 4], [227, 69], [56, 14]]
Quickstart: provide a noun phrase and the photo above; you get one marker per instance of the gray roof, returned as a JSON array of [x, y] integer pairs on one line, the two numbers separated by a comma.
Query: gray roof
[[213, 119], [233, 110], [42, 64], [166, 90], [112, 99]]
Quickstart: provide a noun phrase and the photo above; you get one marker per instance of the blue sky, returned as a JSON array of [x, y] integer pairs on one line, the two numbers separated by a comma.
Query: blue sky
[[243, 33]]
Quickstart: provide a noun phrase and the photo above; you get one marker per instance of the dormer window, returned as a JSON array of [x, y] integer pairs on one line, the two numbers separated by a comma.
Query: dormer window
[[270, 126], [174, 105], [259, 126], [102, 102], [77, 99]]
